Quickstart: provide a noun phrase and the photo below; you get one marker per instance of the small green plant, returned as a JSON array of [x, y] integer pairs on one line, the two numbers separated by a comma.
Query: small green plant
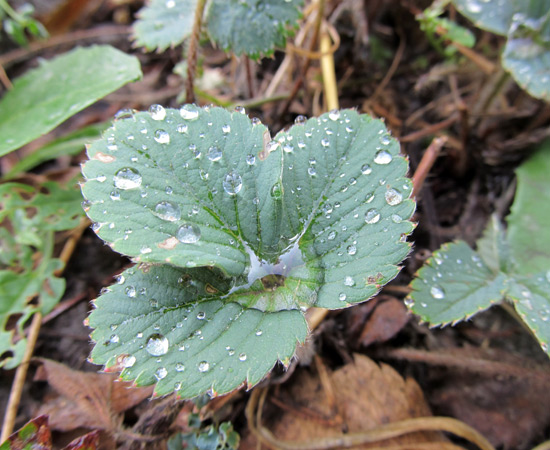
[[236, 234], [457, 282], [16, 23], [252, 27], [526, 25], [440, 30], [209, 437]]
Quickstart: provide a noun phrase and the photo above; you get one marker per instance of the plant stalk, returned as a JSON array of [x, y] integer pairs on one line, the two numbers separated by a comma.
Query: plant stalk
[[192, 52]]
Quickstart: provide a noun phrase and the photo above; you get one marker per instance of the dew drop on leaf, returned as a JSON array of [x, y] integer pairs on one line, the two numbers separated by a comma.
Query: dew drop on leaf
[[204, 366], [242, 357], [170, 4], [180, 367], [168, 211], [214, 154], [334, 114], [349, 281], [325, 142], [393, 197], [201, 315], [161, 373], [182, 128], [115, 195], [157, 112], [250, 160], [162, 137], [127, 178], [189, 113], [240, 109], [342, 297], [157, 345], [312, 171], [385, 139], [300, 120], [232, 183], [372, 216], [366, 169], [128, 361], [383, 157], [188, 233], [130, 291], [352, 250], [409, 302], [437, 292], [259, 332], [226, 129]]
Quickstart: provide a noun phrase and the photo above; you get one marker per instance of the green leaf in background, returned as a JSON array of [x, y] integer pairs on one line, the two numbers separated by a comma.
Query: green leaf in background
[[30, 216], [70, 144], [457, 281], [250, 232], [48, 95], [164, 23], [252, 27], [492, 15], [528, 230]]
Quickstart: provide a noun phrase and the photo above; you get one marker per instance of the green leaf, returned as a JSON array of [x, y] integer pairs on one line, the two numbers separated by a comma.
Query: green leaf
[[34, 435], [454, 285], [527, 53], [492, 15], [256, 229], [493, 247], [531, 297], [528, 230], [164, 23], [70, 144], [252, 27], [48, 95]]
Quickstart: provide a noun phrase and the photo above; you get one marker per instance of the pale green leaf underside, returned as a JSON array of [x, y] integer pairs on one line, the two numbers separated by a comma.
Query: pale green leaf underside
[[455, 284], [528, 230], [165, 325], [48, 95], [164, 23], [252, 27], [491, 15], [317, 216]]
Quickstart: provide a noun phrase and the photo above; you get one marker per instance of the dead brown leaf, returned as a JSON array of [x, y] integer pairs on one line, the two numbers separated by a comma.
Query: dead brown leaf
[[89, 400], [387, 319], [367, 395]]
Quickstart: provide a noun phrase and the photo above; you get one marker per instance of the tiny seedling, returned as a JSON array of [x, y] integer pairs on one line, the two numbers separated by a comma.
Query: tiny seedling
[[17, 23], [457, 281], [209, 437], [252, 27], [526, 25], [236, 235]]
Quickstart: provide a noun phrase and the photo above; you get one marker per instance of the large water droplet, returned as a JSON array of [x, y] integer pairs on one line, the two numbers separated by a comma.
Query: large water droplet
[[437, 292], [214, 154], [127, 178], [277, 191], [157, 112], [130, 291], [393, 197], [352, 250], [232, 183], [334, 114], [372, 216], [204, 366], [188, 233], [383, 157], [300, 120], [242, 357], [157, 345], [168, 211], [162, 137], [349, 281], [128, 361], [161, 373], [189, 112]]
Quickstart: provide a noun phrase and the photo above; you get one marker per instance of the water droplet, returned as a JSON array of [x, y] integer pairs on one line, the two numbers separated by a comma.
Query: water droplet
[[240, 109], [349, 281], [331, 235], [167, 211], [145, 249], [204, 366], [170, 4], [393, 197], [396, 218], [437, 292], [256, 121], [226, 129], [130, 291], [127, 178], [409, 302], [250, 160], [157, 112], [342, 297], [169, 190], [162, 137], [383, 157], [204, 174], [311, 171], [277, 191], [201, 315], [259, 332], [188, 233], [473, 6], [189, 112], [161, 373], [334, 114], [180, 367], [242, 357], [325, 142], [372, 216], [115, 195], [300, 120], [125, 113], [114, 339], [157, 345], [232, 183], [366, 169], [385, 139], [182, 128], [214, 154], [352, 250], [128, 361]]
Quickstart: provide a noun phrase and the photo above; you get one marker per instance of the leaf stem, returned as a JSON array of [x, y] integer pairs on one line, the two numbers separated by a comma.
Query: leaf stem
[[192, 52], [19, 380]]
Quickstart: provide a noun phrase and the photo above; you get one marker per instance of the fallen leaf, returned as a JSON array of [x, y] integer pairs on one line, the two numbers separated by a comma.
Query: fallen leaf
[[89, 441], [367, 395], [35, 435], [387, 319], [88, 400]]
